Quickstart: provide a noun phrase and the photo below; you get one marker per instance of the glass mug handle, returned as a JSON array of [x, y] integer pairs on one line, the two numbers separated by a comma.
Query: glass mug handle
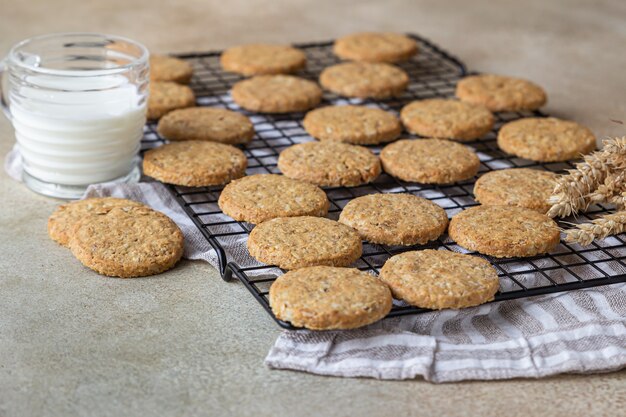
[[3, 99]]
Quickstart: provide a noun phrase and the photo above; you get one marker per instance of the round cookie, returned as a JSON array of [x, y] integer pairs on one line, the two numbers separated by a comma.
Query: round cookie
[[326, 298], [194, 164], [429, 161], [166, 96], [206, 123], [128, 242], [395, 219], [499, 93], [504, 231], [521, 187], [364, 80], [257, 198], [296, 242], [546, 139], [375, 47], [450, 119], [438, 279], [62, 221], [167, 68], [358, 125], [276, 94], [260, 59], [329, 164]]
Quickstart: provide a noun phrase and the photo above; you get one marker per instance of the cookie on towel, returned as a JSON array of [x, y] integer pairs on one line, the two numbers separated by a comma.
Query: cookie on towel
[[166, 96], [260, 59], [127, 242], [429, 161], [522, 187], [296, 242], [546, 139], [364, 80], [358, 125], [375, 47], [195, 163], [260, 197], [276, 94], [62, 221], [439, 279], [326, 298], [395, 219], [167, 68], [330, 164], [504, 231], [500, 93], [206, 123], [448, 119]]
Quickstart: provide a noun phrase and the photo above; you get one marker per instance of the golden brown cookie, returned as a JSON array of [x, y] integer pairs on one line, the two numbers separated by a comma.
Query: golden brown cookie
[[194, 163], [206, 123], [167, 68], [358, 125], [499, 93], [166, 96], [522, 187], [326, 298], [260, 59], [65, 217], [364, 80], [276, 94], [127, 242], [329, 164], [439, 279], [375, 47], [449, 119], [429, 161], [546, 139], [395, 219], [296, 242], [257, 198], [504, 231]]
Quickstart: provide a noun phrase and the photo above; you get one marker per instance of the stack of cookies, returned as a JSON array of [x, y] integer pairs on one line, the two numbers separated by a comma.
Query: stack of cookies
[[320, 290]]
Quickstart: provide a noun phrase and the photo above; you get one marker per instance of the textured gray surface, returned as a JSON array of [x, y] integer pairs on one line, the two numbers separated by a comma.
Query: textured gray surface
[[186, 343]]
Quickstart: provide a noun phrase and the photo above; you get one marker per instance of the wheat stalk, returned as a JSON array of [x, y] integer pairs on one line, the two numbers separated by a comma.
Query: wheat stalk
[[600, 228]]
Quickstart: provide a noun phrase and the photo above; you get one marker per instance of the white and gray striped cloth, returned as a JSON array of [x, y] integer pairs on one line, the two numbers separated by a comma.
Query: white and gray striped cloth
[[580, 331]]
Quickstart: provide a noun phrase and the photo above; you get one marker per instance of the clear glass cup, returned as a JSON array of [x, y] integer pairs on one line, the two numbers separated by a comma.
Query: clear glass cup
[[77, 102]]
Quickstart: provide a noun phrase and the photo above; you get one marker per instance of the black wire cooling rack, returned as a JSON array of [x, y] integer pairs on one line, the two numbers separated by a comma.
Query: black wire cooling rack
[[433, 73]]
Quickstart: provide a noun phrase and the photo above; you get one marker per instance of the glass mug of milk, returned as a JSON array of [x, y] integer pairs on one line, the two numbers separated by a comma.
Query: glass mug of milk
[[77, 102]]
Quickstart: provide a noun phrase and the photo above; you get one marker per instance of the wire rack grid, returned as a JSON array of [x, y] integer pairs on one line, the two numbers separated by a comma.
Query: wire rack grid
[[433, 73]]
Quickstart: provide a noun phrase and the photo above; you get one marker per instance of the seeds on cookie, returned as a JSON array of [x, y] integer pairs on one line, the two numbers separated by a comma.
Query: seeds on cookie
[[375, 47], [364, 80], [395, 219], [546, 139], [330, 164], [326, 298], [296, 242], [276, 94], [127, 242], [257, 198], [194, 163], [448, 119], [260, 59], [439, 279], [166, 96], [167, 68], [522, 187], [504, 231], [429, 161], [62, 221], [206, 123], [499, 93], [358, 125]]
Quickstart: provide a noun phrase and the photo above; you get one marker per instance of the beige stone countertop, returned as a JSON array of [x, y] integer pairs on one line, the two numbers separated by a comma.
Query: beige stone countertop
[[73, 343]]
